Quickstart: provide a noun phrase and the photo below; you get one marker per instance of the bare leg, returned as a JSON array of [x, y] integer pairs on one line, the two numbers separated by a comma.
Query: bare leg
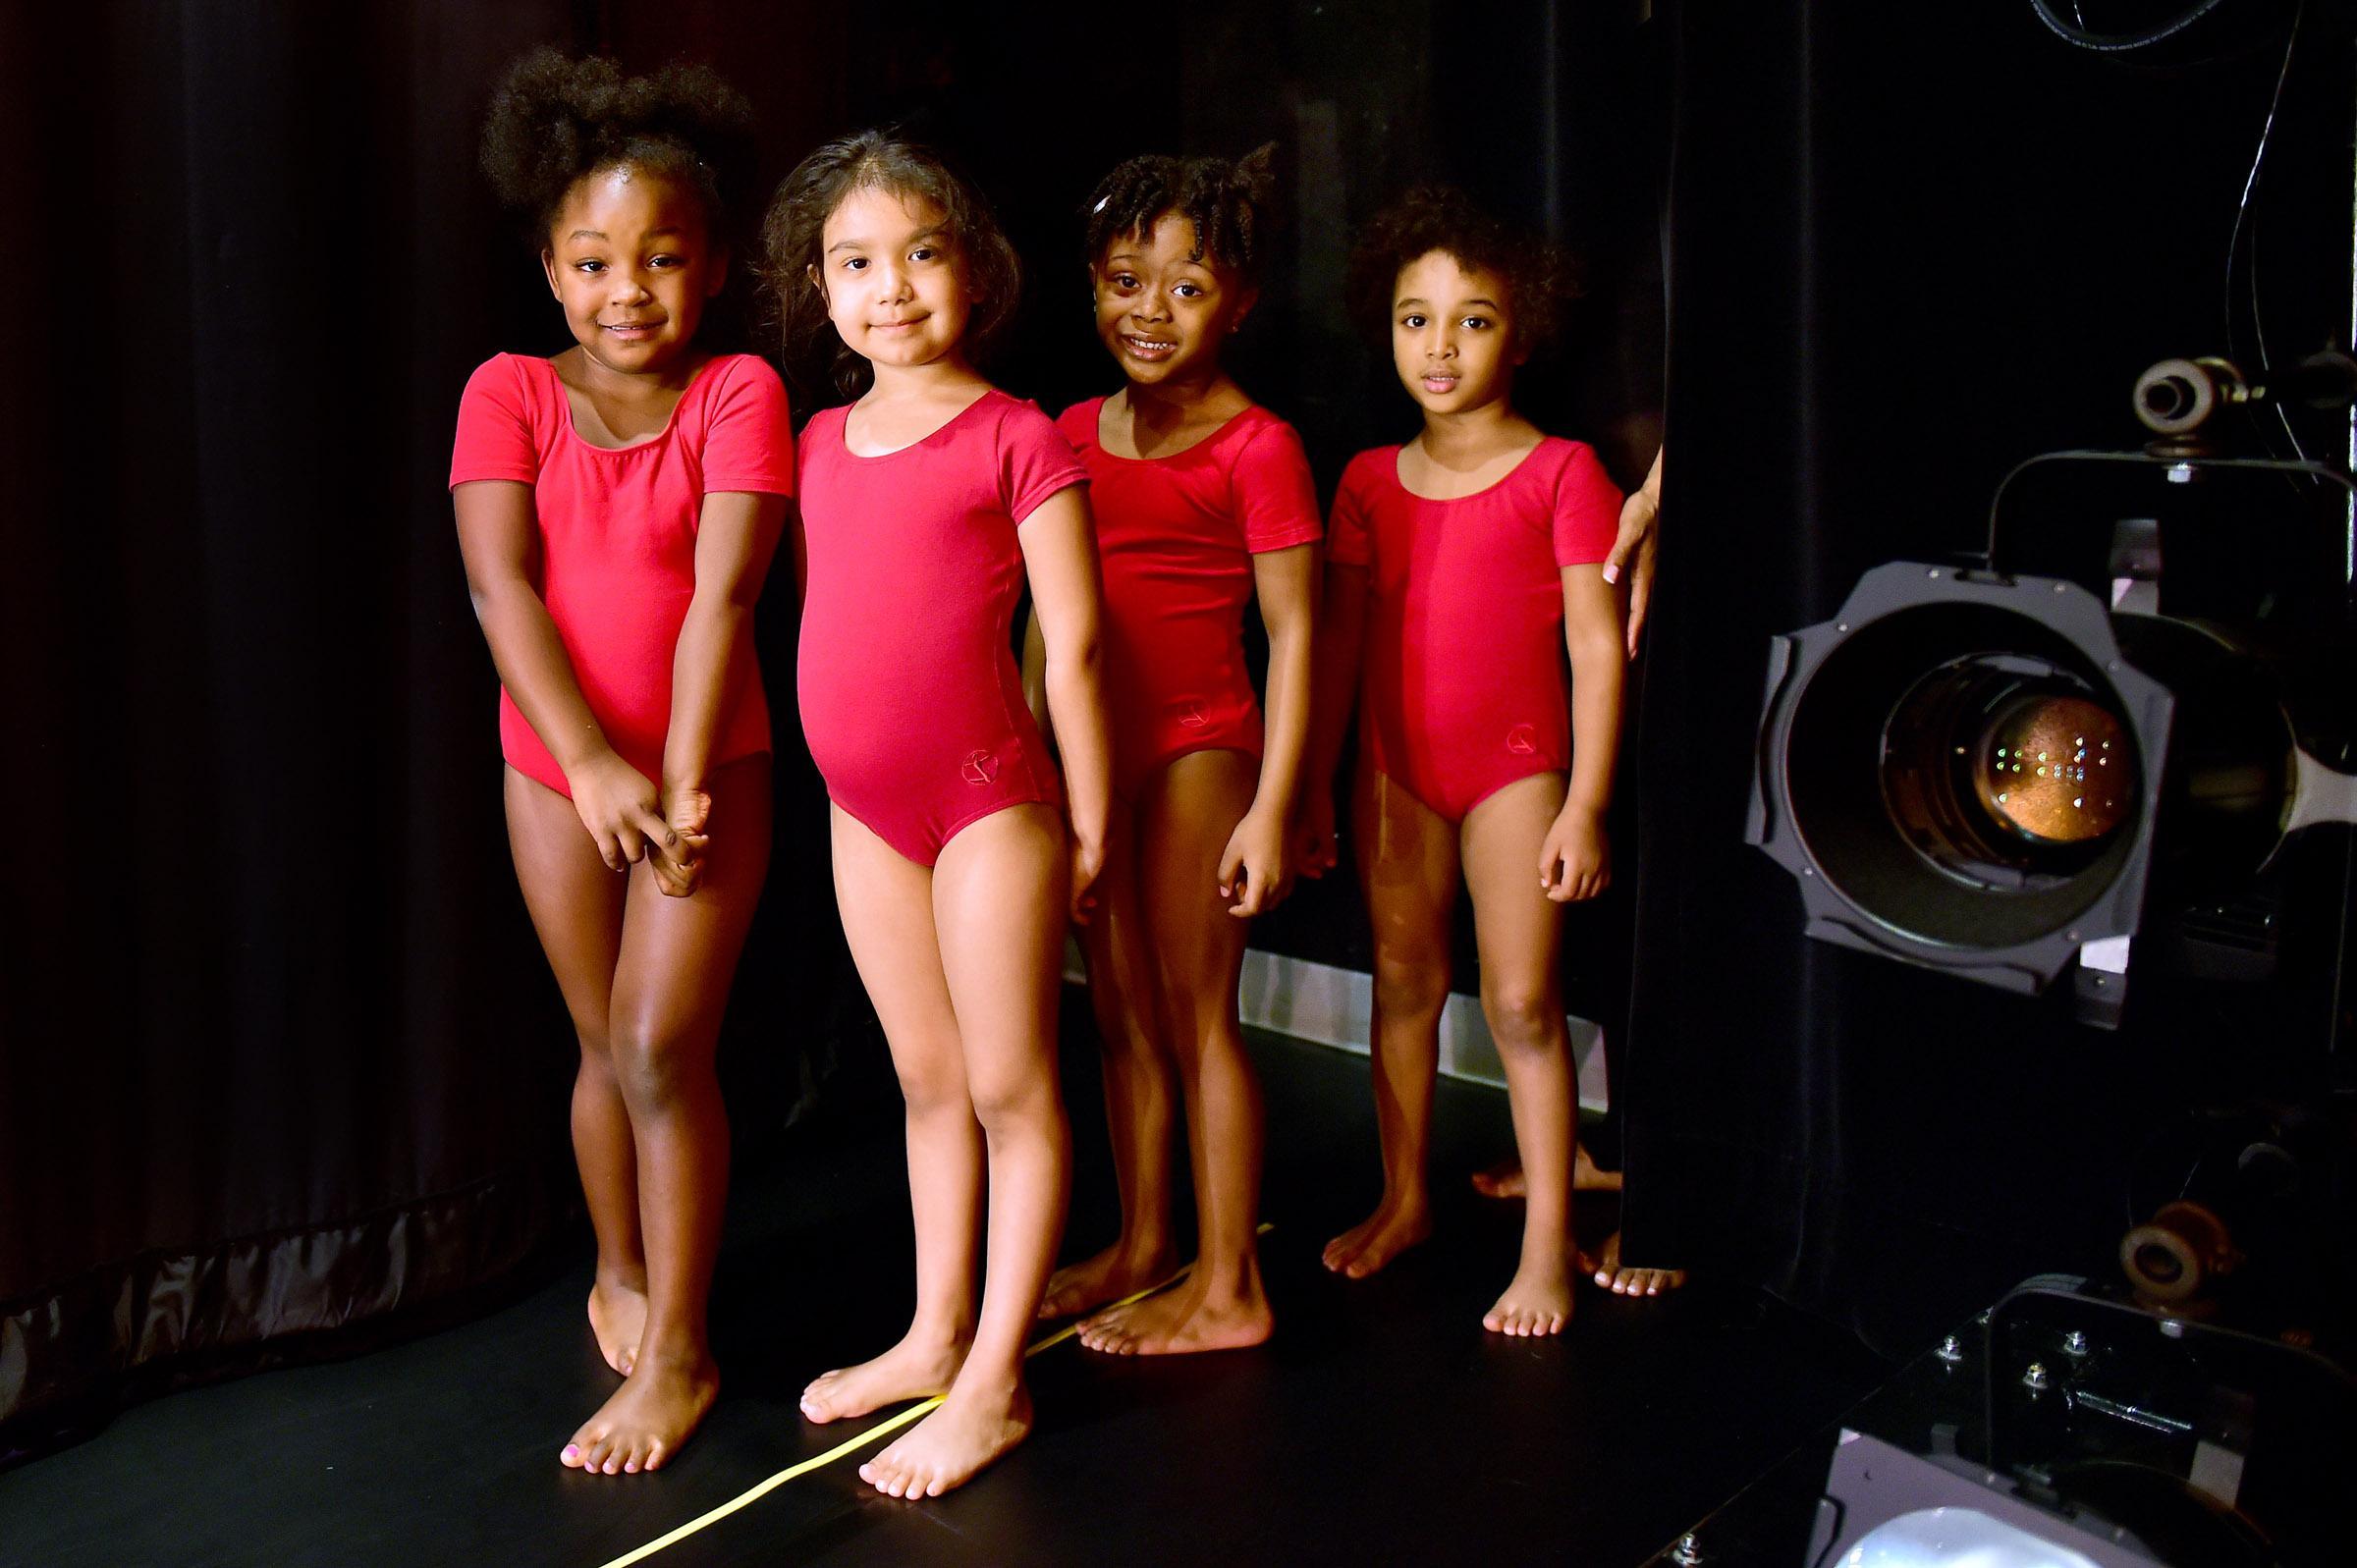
[[1138, 1103], [1189, 811], [999, 911], [576, 904], [671, 988], [1520, 932], [1407, 856], [887, 903]]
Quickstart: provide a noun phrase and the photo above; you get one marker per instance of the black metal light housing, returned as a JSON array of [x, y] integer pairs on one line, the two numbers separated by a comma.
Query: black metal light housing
[[1963, 770]]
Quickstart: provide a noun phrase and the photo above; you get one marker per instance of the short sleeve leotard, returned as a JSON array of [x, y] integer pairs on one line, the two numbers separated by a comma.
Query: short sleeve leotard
[[1175, 537], [1463, 689], [618, 528], [910, 697]]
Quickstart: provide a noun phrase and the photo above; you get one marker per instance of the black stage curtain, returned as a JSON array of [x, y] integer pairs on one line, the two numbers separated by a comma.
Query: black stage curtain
[[1911, 247], [280, 1054]]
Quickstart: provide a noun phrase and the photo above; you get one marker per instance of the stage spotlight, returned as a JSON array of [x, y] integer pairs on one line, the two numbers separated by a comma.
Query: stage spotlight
[[1961, 769], [1983, 772]]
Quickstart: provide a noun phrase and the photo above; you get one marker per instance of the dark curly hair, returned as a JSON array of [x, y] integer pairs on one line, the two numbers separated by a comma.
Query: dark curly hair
[[555, 121], [791, 241], [1232, 204], [1540, 279]]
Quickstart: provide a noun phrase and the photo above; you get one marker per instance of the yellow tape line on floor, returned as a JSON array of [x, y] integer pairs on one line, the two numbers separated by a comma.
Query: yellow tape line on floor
[[852, 1445]]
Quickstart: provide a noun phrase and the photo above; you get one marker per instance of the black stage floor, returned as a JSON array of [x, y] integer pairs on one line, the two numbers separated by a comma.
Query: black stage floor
[[1379, 1426]]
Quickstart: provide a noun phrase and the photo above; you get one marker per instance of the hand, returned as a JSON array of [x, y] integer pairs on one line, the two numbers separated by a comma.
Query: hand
[[1577, 862], [620, 809], [687, 807], [1315, 849], [1633, 552], [1088, 862], [1257, 849]]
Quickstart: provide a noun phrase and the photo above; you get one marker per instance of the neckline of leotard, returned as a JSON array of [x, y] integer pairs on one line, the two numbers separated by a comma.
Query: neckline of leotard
[[1096, 419], [659, 437], [842, 436], [1391, 469]]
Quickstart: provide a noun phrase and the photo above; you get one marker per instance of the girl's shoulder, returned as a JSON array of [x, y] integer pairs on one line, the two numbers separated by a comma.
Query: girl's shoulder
[[1079, 422], [1375, 469]]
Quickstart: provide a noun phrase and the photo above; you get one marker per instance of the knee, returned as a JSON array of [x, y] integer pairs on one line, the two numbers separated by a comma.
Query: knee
[[653, 1067], [934, 1090], [1409, 986], [1018, 1105], [1522, 1018]]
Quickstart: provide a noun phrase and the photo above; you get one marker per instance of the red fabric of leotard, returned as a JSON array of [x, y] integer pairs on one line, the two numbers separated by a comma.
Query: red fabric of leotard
[[1175, 537], [910, 697], [1463, 689], [617, 529]]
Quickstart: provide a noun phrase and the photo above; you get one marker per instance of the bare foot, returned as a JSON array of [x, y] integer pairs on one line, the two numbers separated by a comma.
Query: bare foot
[[646, 1420], [913, 1368], [1605, 1269], [1108, 1276], [1538, 1302], [1183, 1320], [1504, 1178], [947, 1447], [1392, 1229], [618, 1317]]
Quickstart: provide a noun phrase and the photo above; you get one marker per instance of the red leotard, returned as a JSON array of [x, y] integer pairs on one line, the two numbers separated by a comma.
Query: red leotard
[[1176, 536], [618, 528], [1463, 689], [911, 700]]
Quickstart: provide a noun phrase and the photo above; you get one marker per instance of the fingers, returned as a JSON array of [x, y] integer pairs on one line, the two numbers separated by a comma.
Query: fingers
[[1232, 861], [1640, 594]]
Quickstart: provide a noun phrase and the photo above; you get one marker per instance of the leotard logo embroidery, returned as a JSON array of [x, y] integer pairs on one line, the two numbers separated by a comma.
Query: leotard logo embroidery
[[1191, 716], [980, 768], [1521, 740]]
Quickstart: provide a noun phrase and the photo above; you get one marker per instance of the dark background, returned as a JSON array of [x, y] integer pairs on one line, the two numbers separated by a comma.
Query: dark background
[[281, 1065], [279, 1058]]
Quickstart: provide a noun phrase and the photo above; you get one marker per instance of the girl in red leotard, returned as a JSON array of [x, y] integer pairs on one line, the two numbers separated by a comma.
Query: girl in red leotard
[[616, 508], [1201, 500], [926, 504], [1455, 564]]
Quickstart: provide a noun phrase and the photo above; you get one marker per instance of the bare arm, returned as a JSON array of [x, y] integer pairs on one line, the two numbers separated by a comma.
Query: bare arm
[[1576, 862], [1285, 582], [1342, 635], [499, 541], [737, 535], [1059, 556]]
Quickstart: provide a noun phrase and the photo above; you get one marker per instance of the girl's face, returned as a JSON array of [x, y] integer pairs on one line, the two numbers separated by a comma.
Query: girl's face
[[894, 284], [1453, 338], [1162, 316], [631, 259]]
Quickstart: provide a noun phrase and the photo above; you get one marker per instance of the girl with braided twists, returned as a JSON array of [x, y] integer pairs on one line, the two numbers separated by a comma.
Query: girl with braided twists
[[1203, 500]]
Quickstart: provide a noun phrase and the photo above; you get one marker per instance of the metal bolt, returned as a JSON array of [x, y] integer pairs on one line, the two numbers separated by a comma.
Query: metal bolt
[[1951, 1350], [1841, 625], [1934, 572], [1687, 1551], [2035, 1380], [2074, 1343], [2062, 587]]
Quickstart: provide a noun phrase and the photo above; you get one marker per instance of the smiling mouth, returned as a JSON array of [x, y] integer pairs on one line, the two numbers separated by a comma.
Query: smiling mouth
[[630, 328], [1148, 348], [1434, 382]]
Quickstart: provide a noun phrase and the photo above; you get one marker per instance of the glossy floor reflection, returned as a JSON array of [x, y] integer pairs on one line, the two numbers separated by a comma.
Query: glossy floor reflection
[[1381, 1425]]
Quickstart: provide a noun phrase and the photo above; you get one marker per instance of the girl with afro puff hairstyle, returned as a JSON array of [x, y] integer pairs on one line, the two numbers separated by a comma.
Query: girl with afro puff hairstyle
[[618, 504], [1457, 564], [960, 856], [1203, 500]]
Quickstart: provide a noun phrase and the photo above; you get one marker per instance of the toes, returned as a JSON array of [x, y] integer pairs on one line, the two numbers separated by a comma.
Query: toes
[[571, 1458]]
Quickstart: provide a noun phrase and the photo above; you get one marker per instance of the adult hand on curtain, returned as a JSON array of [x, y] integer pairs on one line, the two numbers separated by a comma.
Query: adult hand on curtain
[[1634, 547]]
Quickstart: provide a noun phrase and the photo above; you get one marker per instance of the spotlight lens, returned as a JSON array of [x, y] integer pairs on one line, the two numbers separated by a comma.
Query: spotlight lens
[[2074, 797]]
